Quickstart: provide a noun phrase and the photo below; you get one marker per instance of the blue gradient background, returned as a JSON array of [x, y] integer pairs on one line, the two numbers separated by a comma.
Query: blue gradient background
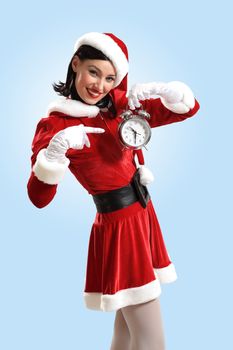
[[43, 252]]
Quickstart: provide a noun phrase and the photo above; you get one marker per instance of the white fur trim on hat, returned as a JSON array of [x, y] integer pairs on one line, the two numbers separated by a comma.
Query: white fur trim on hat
[[187, 102], [50, 173], [110, 48], [73, 108], [146, 176]]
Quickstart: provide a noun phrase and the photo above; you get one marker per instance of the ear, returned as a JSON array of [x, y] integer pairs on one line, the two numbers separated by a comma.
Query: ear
[[75, 63]]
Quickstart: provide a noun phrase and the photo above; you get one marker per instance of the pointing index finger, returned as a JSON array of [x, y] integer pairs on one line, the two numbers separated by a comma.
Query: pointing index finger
[[90, 129]]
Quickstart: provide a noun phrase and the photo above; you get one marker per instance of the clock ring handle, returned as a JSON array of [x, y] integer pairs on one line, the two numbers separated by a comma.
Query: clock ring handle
[[144, 114], [127, 114]]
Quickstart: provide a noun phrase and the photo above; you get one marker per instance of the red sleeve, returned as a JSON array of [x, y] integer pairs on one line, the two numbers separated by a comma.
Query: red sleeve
[[160, 115], [40, 193]]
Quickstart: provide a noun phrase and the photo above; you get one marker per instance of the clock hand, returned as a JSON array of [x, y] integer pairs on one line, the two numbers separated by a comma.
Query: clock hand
[[132, 129]]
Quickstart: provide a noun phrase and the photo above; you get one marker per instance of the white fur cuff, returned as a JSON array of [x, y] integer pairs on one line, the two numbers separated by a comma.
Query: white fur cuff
[[50, 173], [187, 102]]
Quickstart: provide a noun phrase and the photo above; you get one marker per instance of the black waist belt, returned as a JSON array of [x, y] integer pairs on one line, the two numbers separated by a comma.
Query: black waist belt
[[122, 197]]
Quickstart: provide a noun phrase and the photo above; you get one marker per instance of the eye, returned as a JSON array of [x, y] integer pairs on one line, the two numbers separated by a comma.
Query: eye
[[93, 72], [110, 79]]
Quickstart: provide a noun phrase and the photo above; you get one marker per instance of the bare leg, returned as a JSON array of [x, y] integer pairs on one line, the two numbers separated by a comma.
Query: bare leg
[[121, 335], [145, 325]]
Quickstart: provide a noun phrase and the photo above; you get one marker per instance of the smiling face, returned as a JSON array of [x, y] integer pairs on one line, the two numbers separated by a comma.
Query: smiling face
[[94, 78]]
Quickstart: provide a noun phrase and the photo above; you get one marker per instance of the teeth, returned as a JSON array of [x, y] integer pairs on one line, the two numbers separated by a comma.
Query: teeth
[[94, 93]]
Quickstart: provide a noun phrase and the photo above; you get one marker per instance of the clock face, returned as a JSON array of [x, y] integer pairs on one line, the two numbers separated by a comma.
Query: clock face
[[135, 132]]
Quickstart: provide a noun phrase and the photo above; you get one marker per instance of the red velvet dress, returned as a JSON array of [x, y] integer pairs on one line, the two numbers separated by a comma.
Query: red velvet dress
[[127, 257]]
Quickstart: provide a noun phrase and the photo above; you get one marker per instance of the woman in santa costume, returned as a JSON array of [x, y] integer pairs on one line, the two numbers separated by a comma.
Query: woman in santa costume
[[127, 257]]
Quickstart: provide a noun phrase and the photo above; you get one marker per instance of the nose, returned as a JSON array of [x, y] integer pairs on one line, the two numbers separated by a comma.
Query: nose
[[100, 85]]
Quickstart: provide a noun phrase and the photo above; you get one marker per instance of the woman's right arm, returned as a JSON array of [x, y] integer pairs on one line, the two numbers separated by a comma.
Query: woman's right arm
[[41, 193], [49, 162]]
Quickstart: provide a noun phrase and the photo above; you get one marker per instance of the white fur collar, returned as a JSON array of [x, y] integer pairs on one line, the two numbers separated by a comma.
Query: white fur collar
[[72, 108]]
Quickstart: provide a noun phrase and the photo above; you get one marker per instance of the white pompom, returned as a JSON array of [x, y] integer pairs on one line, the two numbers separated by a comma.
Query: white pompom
[[146, 176]]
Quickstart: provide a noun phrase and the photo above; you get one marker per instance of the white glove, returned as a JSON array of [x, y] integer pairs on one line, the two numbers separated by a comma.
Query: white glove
[[51, 162], [71, 137], [176, 96]]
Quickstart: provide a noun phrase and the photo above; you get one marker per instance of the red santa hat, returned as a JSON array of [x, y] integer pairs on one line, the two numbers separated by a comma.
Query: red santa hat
[[112, 47]]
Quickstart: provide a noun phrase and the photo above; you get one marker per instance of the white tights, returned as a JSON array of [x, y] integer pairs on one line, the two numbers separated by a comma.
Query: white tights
[[139, 327]]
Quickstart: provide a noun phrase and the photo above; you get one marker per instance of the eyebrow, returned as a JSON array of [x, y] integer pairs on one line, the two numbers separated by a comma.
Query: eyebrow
[[109, 75]]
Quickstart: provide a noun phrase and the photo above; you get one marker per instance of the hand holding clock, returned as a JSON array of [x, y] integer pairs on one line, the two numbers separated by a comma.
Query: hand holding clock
[[175, 96]]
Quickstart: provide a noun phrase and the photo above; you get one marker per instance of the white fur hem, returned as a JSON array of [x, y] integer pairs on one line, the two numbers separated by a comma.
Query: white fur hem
[[50, 173], [130, 296], [187, 102], [166, 274]]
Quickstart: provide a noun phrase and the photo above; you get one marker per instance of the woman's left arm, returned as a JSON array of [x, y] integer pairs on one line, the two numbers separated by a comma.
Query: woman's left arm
[[176, 102]]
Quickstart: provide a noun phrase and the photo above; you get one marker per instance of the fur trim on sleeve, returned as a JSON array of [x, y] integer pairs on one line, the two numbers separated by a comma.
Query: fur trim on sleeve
[[50, 173]]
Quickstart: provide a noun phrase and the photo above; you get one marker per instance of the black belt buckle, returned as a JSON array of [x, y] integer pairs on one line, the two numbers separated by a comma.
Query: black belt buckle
[[141, 190]]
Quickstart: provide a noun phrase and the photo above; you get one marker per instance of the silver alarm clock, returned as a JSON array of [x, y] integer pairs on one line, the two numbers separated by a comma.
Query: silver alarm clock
[[134, 130]]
